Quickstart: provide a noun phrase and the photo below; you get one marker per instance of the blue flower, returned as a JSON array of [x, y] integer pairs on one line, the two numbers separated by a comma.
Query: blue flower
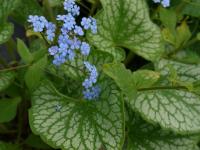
[[78, 30], [86, 23], [92, 93], [165, 3], [69, 43], [38, 23], [85, 49], [71, 7], [53, 50], [51, 28]]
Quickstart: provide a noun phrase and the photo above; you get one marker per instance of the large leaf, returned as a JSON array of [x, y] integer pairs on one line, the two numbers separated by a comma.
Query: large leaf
[[69, 123], [173, 107], [5, 79], [6, 31], [8, 109], [126, 23], [144, 136]]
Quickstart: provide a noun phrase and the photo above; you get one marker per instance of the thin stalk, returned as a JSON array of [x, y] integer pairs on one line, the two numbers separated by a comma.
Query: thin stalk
[[15, 68], [129, 58]]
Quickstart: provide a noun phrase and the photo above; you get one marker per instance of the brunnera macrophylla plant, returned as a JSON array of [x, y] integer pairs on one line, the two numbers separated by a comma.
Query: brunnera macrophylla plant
[[77, 81]]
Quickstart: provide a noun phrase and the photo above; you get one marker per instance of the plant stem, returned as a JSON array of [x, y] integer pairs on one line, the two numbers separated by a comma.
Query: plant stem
[[15, 68], [162, 88], [129, 58]]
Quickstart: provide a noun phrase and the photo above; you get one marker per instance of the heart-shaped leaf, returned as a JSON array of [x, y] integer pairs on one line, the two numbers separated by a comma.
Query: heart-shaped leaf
[[173, 109], [126, 23], [69, 123], [144, 136]]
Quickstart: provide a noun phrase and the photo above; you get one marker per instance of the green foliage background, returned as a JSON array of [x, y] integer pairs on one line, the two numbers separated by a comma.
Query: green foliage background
[[149, 63]]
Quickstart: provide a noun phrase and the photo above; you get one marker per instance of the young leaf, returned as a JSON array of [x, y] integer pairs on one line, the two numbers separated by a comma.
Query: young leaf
[[6, 31], [130, 82], [8, 109], [168, 18], [183, 34], [24, 52], [144, 136], [126, 23], [35, 73], [6, 79], [68, 123], [122, 77]]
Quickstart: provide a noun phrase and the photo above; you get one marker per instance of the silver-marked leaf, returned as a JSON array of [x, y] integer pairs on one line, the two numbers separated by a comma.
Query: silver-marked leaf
[[70, 124], [185, 72], [5, 79], [6, 31], [173, 109], [126, 23], [144, 136]]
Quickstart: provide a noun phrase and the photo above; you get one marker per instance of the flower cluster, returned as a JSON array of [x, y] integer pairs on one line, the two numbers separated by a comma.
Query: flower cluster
[[69, 42], [165, 3], [91, 91]]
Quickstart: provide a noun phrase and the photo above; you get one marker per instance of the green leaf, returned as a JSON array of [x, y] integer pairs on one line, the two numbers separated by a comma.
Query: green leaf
[[192, 8], [24, 52], [168, 18], [183, 34], [35, 73], [6, 79], [8, 146], [144, 136], [187, 73], [129, 82], [54, 3], [26, 8], [122, 77], [6, 31], [173, 109], [126, 24], [78, 124], [8, 109], [6, 7]]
